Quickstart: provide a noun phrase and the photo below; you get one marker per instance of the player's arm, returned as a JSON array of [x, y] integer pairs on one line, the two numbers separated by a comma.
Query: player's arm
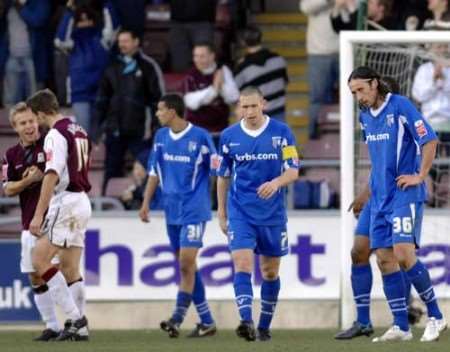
[[222, 190], [150, 189], [13, 188], [361, 199], [268, 189], [428, 155], [424, 136], [49, 183]]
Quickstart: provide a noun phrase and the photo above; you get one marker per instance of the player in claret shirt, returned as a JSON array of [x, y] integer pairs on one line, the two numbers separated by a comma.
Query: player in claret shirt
[[63, 196], [181, 164], [401, 147], [23, 170], [257, 158]]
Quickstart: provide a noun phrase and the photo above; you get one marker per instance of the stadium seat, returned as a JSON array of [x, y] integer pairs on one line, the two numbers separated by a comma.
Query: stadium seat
[[117, 185], [329, 118], [327, 147]]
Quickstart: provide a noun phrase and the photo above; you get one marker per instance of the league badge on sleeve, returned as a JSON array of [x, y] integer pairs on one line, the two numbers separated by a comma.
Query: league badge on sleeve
[[5, 172], [421, 130], [216, 160]]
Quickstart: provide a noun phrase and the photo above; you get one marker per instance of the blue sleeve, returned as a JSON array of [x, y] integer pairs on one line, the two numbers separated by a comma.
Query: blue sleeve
[[210, 159], [414, 122], [63, 26], [224, 161], [154, 157], [36, 12], [363, 129], [289, 151]]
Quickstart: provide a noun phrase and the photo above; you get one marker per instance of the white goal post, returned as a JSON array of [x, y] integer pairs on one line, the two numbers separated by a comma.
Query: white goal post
[[347, 129]]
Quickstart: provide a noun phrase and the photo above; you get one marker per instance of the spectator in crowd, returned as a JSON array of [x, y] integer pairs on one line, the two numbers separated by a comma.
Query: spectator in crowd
[[132, 197], [86, 35], [409, 14], [431, 88], [131, 84], [322, 45], [345, 13], [26, 52], [209, 90], [192, 23], [264, 69], [440, 15]]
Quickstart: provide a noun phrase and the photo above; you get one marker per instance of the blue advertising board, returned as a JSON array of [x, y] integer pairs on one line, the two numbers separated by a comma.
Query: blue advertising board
[[16, 296]]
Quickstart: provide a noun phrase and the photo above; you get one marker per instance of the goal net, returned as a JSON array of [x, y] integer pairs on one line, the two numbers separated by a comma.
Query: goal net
[[397, 57]]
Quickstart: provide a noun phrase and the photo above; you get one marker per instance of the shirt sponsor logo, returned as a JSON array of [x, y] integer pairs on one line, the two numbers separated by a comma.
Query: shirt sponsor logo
[[420, 128], [254, 157], [377, 137], [177, 158]]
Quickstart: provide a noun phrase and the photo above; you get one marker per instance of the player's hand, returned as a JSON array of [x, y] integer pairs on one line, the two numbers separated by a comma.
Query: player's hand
[[268, 189], [404, 181], [222, 222], [357, 205], [35, 174], [144, 213], [35, 225]]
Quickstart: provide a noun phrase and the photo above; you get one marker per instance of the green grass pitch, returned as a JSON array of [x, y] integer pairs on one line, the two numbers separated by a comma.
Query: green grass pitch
[[225, 340]]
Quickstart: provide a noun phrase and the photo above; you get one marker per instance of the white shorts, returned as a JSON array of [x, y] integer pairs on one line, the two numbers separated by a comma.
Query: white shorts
[[67, 219], [28, 242]]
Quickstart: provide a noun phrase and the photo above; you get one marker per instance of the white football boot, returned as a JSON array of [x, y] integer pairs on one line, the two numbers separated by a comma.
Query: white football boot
[[394, 333]]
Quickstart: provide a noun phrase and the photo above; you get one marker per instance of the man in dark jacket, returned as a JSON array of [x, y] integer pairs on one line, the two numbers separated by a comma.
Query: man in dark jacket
[[131, 84]]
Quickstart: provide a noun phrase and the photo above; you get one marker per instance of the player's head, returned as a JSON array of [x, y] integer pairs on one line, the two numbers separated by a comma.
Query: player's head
[[367, 87], [251, 105], [44, 105], [204, 55], [251, 36], [170, 107], [437, 5], [24, 123], [128, 42]]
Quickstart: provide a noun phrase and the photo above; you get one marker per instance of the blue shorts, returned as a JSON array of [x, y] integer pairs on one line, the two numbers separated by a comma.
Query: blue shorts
[[185, 236], [403, 225], [271, 241], [363, 226]]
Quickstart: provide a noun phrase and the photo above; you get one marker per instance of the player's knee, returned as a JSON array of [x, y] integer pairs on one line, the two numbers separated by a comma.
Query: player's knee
[[36, 279], [243, 265], [360, 255], [70, 274], [187, 267], [405, 258], [386, 265], [270, 275]]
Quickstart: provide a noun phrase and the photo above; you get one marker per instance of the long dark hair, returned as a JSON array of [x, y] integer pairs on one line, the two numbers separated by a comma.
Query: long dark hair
[[369, 74]]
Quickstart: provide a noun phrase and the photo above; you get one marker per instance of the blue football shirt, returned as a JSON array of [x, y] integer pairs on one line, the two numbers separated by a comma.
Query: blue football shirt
[[251, 158], [182, 162], [394, 133]]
